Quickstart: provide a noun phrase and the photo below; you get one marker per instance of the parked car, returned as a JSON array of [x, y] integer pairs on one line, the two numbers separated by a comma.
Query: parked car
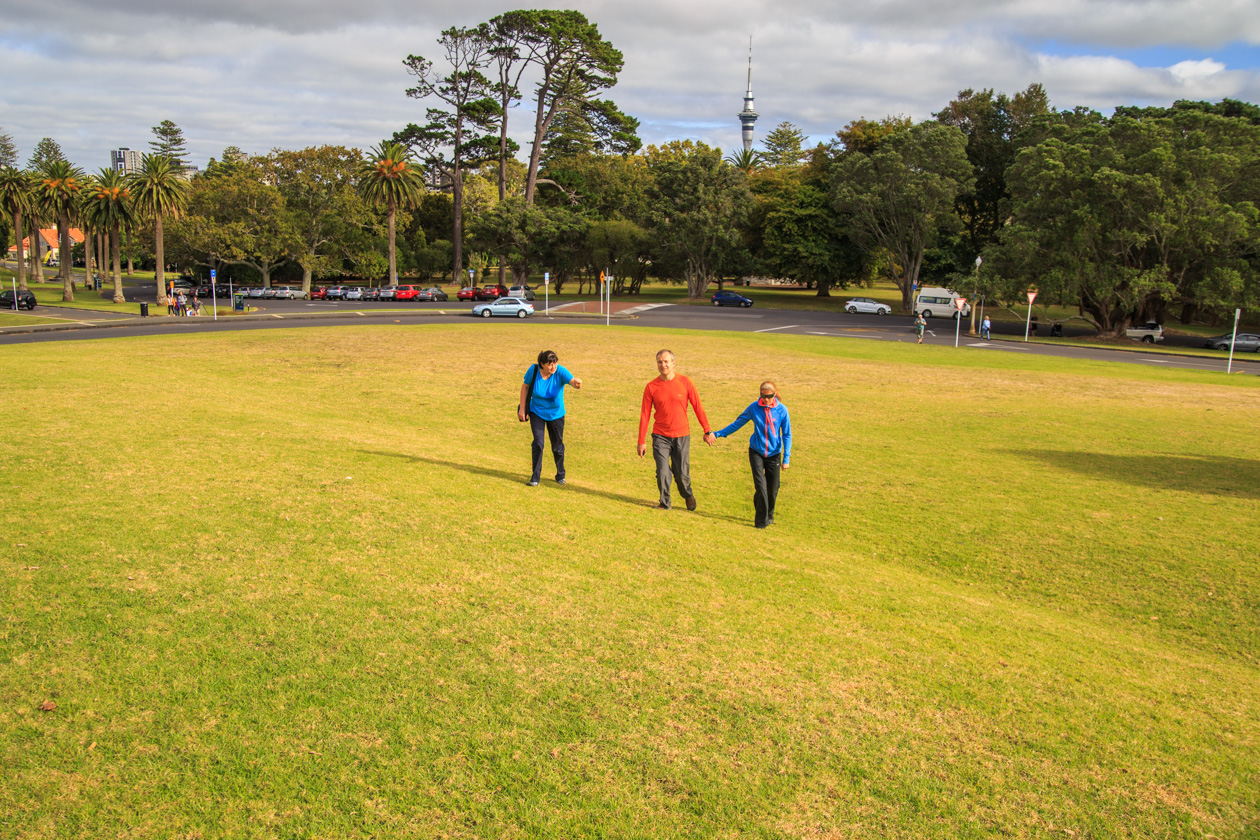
[[856, 305], [255, 292], [386, 293], [937, 301], [509, 306], [468, 293], [320, 293], [269, 293], [523, 292], [406, 293], [336, 293], [493, 292], [287, 293], [25, 299], [730, 299], [436, 294], [1148, 333], [352, 293], [1246, 342]]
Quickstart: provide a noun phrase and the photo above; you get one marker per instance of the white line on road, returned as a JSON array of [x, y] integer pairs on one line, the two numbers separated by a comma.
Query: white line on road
[[980, 344], [788, 327]]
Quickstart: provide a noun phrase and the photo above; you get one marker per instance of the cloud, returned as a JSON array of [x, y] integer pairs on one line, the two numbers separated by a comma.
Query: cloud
[[292, 74]]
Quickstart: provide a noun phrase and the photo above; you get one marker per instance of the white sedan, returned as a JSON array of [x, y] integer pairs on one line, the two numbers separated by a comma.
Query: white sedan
[[856, 305], [504, 306]]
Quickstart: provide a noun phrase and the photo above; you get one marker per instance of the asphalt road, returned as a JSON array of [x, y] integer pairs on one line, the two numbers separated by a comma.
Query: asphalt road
[[781, 321]]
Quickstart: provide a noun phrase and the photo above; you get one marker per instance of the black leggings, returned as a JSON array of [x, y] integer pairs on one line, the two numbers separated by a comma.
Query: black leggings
[[765, 473], [555, 430]]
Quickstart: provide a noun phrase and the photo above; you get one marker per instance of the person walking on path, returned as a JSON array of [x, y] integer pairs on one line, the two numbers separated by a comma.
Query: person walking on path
[[920, 324], [668, 394], [769, 448], [542, 403], [984, 329]]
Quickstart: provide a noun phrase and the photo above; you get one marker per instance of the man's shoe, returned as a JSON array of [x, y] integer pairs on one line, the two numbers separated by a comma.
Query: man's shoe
[[533, 482], [691, 503], [662, 506]]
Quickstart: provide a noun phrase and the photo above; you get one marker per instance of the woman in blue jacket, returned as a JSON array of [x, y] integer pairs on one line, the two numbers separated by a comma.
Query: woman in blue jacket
[[769, 449]]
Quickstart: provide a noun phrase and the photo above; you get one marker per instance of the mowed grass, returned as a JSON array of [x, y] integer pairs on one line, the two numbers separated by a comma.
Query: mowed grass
[[291, 584]]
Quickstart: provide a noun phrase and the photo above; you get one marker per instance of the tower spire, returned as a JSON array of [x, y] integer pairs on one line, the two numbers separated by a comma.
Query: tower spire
[[748, 116]]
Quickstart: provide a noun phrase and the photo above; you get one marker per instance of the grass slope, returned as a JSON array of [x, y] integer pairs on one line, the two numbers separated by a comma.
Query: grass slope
[[291, 584]]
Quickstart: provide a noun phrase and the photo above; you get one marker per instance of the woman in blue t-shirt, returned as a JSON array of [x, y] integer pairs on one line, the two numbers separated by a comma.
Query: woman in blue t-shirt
[[546, 409]]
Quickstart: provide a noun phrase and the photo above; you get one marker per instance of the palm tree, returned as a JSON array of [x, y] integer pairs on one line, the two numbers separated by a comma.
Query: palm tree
[[159, 189], [390, 177], [745, 159], [60, 185], [16, 195], [109, 206]]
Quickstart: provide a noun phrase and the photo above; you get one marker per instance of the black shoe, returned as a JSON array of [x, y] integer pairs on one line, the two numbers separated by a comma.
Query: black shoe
[[759, 526], [559, 481], [662, 506], [691, 503], [533, 482]]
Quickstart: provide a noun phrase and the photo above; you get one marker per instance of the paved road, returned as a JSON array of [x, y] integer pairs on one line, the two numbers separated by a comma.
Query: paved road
[[778, 321]]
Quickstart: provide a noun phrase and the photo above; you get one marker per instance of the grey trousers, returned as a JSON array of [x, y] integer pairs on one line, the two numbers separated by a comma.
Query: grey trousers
[[673, 461]]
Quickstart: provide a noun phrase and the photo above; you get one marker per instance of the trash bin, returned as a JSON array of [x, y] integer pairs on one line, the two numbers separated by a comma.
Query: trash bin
[[1056, 331], [238, 303], [144, 310]]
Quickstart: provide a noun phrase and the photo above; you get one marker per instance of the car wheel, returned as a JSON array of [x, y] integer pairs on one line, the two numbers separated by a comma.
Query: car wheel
[[852, 310], [485, 313], [717, 303], [883, 311], [521, 313], [746, 304], [927, 313], [1148, 339]]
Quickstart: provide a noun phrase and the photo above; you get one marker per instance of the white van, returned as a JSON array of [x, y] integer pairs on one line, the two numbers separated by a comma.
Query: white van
[[936, 302]]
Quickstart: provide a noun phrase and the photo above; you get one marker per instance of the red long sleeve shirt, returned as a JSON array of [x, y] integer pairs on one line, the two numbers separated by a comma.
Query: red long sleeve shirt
[[670, 399]]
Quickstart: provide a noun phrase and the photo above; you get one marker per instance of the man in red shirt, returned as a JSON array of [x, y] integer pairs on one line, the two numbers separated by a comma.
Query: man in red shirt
[[669, 394]]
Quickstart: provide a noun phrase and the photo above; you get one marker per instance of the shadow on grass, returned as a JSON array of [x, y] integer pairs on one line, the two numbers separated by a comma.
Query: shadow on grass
[[515, 478], [1207, 474]]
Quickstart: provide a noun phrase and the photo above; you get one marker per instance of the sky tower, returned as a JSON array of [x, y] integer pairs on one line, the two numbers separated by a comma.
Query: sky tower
[[748, 116]]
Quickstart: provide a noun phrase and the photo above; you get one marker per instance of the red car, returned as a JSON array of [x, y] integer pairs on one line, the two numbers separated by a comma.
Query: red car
[[468, 293], [493, 292], [406, 292], [319, 294]]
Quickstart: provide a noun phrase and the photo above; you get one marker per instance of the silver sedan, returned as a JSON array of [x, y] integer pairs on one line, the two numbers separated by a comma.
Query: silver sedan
[[504, 306], [863, 304]]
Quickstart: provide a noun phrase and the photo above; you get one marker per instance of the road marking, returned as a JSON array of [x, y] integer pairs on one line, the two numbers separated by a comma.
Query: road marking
[[788, 327], [281, 317], [980, 344]]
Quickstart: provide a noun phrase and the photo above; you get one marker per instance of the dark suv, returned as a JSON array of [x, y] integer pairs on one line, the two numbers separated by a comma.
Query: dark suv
[[25, 299]]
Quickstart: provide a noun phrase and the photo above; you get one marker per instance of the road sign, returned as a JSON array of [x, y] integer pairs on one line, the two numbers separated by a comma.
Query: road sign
[[212, 275], [960, 303], [1031, 297]]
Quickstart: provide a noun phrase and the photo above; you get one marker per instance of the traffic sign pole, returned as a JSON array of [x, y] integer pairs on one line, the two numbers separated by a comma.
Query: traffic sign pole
[[960, 303], [214, 297], [1230, 368], [547, 293], [1031, 297]]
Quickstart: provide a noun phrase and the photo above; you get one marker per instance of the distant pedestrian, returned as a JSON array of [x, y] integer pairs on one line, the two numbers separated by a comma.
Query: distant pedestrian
[[668, 395], [542, 403], [170, 304], [984, 329], [920, 324], [769, 448], [196, 306], [181, 304]]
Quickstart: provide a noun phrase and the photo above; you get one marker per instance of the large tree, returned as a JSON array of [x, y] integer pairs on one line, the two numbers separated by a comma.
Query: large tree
[[159, 191], [109, 207], [8, 151], [47, 151], [17, 193], [60, 186], [389, 176], [784, 146], [698, 203], [900, 195], [799, 234], [168, 141]]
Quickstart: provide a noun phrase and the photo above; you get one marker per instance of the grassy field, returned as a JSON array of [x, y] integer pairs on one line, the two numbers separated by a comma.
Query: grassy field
[[303, 591]]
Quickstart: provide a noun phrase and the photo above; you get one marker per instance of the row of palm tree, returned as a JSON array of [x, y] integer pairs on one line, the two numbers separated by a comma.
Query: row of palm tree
[[106, 204]]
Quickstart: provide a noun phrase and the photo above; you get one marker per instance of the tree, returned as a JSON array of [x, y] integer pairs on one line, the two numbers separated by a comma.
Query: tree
[[8, 152], [16, 197], [390, 177], [325, 211], [900, 195], [108, 205], [467, 94], [506, 34], [745, 160], [623, 247], [784, 146], [698, 203], [169, 142], [60, 185], [575, 63], [159, 190], [863, 136], [47, 151], [528, 235], [801, 236]]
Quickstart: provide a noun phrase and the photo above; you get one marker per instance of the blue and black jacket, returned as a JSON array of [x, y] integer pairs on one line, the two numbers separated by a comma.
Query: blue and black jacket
[[772, 429]]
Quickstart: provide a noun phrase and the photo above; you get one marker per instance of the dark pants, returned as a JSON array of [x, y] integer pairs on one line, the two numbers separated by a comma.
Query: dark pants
[[765, 472], [673, 461], [555, 430]]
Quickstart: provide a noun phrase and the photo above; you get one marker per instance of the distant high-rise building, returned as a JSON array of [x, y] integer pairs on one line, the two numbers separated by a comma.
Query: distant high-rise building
[[124, 160], [748, 116]]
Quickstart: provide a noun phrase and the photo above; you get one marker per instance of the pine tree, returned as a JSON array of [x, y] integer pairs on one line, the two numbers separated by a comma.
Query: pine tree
[[46, 151], [784, 146], [170, 143], [8, 151]]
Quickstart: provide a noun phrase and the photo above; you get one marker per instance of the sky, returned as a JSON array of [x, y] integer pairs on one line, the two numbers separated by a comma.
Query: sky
[[295, 73]]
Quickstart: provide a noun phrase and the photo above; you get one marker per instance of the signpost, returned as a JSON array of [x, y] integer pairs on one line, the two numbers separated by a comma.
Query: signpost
[[960, 303], [1031, 297], [1230, 368], [214, 296], [602, 282], [546, 293], [15, 297], [608, 311]]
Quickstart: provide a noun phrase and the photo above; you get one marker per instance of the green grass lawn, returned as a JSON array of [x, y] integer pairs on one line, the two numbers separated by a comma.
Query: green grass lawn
[[14, 319], [303, 591]]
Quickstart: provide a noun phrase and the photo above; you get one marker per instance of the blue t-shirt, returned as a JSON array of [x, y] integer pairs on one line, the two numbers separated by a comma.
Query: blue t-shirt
[[548, 401]]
